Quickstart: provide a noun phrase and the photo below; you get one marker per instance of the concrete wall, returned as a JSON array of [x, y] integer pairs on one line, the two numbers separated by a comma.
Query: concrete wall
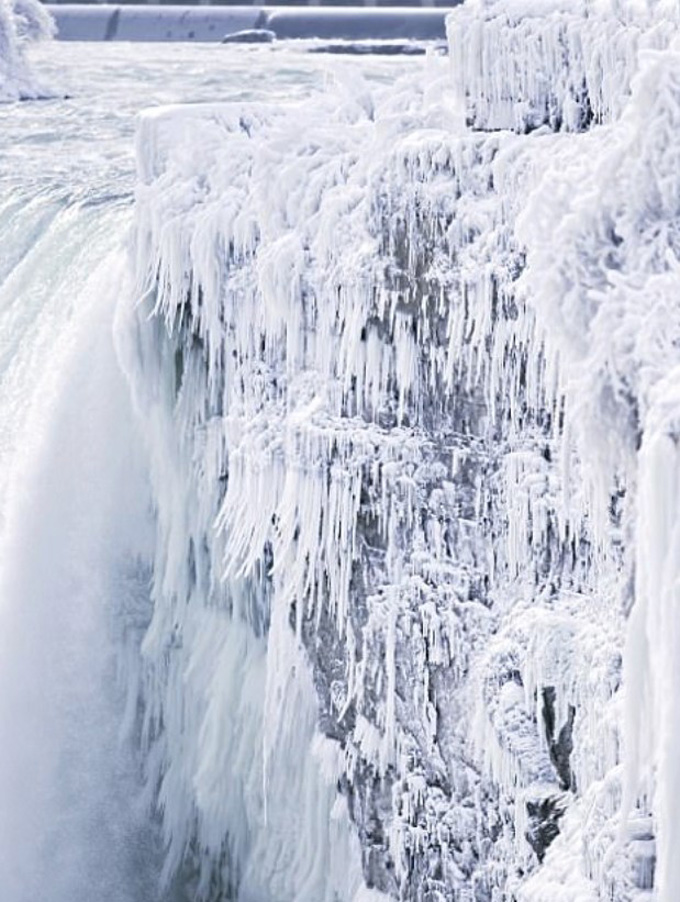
[[158, 22]]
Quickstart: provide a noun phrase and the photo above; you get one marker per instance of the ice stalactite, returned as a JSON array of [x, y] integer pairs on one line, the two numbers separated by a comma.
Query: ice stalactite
[[21, 22], [356, 477], [394, 371], [609, 298]]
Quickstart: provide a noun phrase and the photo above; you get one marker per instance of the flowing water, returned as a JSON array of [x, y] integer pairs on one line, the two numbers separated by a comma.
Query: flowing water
[[74, 508]]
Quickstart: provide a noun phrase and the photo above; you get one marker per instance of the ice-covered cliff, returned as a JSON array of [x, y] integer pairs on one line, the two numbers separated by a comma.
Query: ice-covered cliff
[[406, 358], [21, 22]]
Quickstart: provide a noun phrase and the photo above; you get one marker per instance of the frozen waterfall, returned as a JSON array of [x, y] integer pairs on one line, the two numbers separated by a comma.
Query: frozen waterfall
[[405, 361]]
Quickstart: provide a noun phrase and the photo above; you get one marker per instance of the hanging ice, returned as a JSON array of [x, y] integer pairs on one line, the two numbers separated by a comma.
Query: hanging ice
[[406, 362]]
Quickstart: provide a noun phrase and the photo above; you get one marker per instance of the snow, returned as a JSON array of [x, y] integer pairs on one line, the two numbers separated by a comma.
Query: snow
[[22, 22]]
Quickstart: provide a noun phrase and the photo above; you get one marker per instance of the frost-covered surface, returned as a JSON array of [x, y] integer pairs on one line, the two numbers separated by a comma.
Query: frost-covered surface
[[409, 392], [21, 22], [520, 64]]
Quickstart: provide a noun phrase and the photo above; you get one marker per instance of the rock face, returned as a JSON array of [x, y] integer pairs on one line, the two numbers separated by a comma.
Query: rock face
[[408, 386]]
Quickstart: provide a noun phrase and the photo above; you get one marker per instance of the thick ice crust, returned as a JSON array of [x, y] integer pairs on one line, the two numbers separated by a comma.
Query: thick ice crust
[[521, 64], [410, 394]]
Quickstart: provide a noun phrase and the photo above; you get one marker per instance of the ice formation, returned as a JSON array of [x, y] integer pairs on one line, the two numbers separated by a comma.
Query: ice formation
[[21, 22], [406, 360]]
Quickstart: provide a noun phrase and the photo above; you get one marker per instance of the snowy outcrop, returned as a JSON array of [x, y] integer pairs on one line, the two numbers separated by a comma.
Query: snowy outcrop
[[522, 64], [609, 300], [409, 395], [21, 22]]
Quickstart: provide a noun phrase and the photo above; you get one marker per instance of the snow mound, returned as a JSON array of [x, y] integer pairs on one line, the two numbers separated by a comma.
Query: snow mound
[[21, 23]]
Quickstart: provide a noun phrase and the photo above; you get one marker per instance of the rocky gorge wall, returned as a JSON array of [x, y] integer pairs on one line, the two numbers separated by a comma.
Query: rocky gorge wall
[[406, 359]]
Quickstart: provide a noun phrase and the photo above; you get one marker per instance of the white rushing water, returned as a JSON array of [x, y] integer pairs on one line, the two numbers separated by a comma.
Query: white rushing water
[[75, 511]]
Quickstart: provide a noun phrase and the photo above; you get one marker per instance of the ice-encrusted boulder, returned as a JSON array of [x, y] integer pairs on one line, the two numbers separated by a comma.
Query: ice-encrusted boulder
[[409, 389], [21, 22]]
